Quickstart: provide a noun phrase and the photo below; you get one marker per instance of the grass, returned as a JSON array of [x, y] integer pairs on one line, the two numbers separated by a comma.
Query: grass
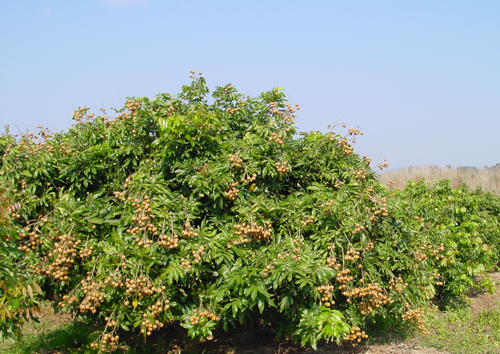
[[68, 337], [461, 332], [60, 334]]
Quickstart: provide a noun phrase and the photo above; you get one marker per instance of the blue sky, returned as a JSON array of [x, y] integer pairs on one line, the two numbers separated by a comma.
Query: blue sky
[[420, 78]]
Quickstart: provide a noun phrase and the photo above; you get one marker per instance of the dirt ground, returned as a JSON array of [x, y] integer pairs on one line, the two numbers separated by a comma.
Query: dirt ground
[[260, 342]]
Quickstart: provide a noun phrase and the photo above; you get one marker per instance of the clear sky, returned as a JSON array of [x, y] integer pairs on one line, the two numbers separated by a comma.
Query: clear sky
[[421, 78]]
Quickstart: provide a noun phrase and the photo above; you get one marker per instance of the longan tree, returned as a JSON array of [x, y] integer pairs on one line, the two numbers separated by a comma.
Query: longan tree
[[208, 210]]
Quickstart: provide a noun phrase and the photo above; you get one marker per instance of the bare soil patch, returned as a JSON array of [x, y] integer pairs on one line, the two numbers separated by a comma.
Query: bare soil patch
[[258, 341]]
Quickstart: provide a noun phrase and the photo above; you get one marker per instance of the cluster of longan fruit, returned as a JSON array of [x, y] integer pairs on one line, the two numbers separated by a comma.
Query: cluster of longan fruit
[[372, 295], [282, 167], [155, 310], [86, 252], [382, 211], [257, 232], [151, 326], [338, 184], [308, 221], [188, 231], [286, 117], [417, 316], [361, 174], [369, 246], [143, 213], [68, 300], [351, 255], [273, 109], [142, 286], [110, 322], [421, 256], [170, 110], [115, 279], [283, 255], [80, 113], [27, 145], [65, 251], [356, 335], [143, 242], [276, 138], [231, 191], [393, 185], [44, 133], [291, 109], [34, 240], [435, 252], [429, 251], [136, 230], [169, 241], [358, 228], [330, 137], [327, 204], [196, 318], [331, 262], [109, 342], [232, 110], [368, 160], [132, 106], [353, 131], [186, 264], [242, 240], [120, 196], [93, 296], [248, 179], [296, 256], [143, 218], [397, 284], [235, 160], [383, 165], [348, 150], [373, 290], [192, 72], [268, 268], [344, 144], [343, 276], [119, 117], [326, 292], [198, 254]]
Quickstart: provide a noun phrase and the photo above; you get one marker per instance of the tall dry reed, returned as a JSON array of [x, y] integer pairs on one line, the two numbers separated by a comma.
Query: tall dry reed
[[487, 178]]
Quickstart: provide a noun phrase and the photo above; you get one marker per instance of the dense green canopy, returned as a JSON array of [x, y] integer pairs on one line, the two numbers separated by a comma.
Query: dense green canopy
[[205, 212]]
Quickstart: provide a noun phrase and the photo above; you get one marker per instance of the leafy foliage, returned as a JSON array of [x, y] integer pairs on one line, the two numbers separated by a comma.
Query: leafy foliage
[[18, 292], [205, 213]]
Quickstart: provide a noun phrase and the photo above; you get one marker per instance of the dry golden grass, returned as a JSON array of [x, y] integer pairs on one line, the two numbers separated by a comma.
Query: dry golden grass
[[487, 178]]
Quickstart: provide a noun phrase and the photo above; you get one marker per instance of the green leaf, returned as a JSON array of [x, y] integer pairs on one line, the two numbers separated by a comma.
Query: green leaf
[[96, 220], [260, 305]]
